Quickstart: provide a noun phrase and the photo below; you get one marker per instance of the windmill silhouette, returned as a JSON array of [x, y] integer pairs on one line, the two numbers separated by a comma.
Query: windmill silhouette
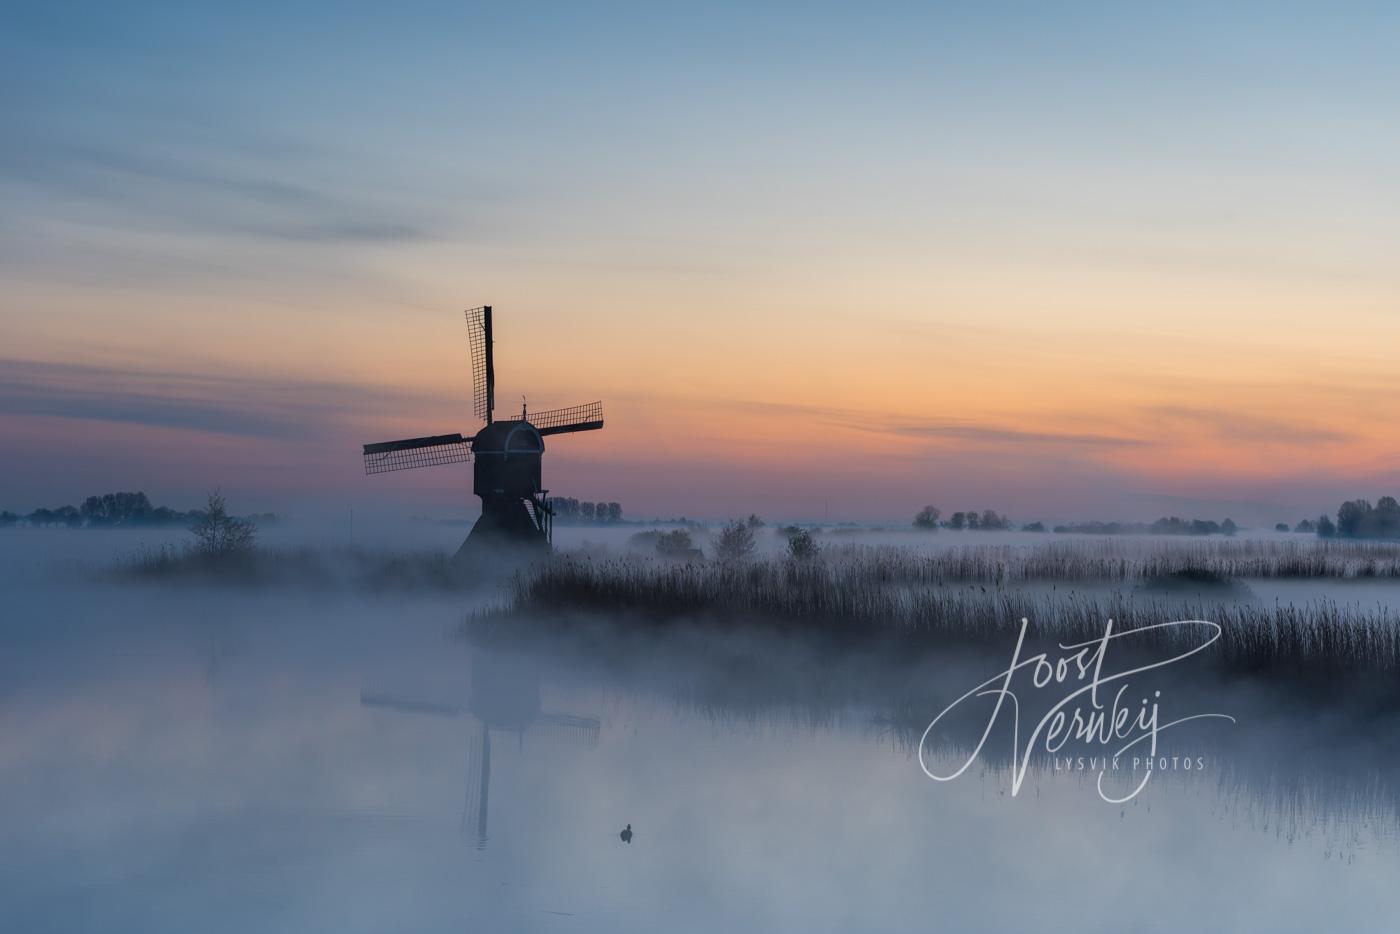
[[514, 504], [504, 697]]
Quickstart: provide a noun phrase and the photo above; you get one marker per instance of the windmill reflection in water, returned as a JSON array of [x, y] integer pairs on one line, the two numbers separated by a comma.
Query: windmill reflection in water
[[504, 698]]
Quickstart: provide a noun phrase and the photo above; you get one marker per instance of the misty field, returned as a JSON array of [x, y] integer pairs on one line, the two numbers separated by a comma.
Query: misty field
[[1313, 607]]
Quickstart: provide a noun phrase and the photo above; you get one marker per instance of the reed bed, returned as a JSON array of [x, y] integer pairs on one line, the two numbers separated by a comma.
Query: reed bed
[[861, 595], [1131, 559]]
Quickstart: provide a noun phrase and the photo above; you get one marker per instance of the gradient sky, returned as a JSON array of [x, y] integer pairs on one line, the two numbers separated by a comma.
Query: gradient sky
[[1062, 260]]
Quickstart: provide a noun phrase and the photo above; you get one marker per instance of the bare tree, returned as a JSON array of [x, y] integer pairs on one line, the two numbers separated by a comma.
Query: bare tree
[[218, 534]]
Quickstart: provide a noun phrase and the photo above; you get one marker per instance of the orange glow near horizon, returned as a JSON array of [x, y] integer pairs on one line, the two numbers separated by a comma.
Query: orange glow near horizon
[[893, 404]]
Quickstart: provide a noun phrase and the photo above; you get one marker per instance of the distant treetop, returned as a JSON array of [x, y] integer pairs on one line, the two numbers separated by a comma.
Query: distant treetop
[[113, 510]]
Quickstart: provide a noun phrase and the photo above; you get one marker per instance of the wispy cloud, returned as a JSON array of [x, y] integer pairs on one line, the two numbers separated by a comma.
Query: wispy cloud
[[199, 190], [233, 405], [981, 433], [996, 434], [1240, 426]]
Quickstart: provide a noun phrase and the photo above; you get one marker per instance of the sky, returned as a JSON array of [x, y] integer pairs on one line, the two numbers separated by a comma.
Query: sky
[[1066, 261]]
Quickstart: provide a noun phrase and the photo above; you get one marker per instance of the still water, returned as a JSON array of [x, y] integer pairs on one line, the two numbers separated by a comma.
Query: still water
[[206, 760]]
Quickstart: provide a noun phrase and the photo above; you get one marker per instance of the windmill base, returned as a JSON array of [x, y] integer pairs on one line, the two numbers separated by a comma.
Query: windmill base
[[505, 526]]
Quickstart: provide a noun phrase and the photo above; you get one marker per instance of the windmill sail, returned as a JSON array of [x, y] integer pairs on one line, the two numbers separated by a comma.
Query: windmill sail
[[416, 452], [587, 417], [483, 361]]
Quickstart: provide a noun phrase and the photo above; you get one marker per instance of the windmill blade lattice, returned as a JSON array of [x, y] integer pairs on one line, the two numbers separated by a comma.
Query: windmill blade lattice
[[586, 417], [483, 362], [416, 452]]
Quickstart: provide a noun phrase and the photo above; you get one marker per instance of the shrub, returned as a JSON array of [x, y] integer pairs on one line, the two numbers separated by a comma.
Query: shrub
[[802, 546], [645, 541], [735, 542], [676, 544]]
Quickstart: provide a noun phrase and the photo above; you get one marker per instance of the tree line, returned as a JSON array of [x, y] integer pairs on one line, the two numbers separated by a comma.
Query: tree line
[[736, 542], [113, 510], [1357, 518], [930, 518], [570, 511], [1165, 525]]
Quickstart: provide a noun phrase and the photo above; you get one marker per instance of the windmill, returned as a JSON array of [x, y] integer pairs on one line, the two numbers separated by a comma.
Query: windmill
[[507, 452], [504, 698]]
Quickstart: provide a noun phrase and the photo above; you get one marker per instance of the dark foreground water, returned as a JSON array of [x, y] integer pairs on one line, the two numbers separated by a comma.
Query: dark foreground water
[[211, 761]]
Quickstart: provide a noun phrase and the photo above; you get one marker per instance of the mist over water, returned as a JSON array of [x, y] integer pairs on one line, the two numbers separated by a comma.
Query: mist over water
[[216, 758]]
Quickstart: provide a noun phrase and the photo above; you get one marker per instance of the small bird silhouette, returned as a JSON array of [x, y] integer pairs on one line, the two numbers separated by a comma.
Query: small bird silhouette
[[626, 834]]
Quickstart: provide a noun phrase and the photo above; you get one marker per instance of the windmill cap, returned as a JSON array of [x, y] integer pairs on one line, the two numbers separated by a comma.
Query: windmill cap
[[513, 436]]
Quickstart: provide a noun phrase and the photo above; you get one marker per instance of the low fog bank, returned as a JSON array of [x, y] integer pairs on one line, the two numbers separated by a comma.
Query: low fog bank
[[24, 550], [1307, 611], [1267, 571], [289, 554]]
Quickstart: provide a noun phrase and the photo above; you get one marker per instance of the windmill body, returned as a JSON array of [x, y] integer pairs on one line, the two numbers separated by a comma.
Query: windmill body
[[507, 453], [507, 475]]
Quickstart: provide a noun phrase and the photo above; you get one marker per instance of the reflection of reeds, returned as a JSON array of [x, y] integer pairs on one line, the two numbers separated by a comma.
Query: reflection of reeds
[[1299, 763], [861, 595]]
